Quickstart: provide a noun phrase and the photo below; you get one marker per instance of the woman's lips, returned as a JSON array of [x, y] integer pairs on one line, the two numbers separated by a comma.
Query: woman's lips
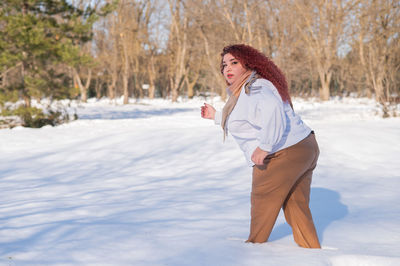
[[229, 76]]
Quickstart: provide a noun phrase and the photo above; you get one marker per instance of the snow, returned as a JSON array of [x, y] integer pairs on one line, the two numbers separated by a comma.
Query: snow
[[151, 183]]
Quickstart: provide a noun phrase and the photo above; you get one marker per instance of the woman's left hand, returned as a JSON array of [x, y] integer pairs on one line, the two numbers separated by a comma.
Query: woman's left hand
[[258, 156]]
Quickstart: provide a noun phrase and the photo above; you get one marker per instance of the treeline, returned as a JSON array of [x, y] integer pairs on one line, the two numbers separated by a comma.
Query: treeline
[[168, 48]]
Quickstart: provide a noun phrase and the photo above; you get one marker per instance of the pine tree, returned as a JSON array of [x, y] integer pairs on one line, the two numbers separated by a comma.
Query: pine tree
[[39, 40]]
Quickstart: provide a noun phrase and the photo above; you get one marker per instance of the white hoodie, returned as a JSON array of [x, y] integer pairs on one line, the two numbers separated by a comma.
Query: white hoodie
[[261, 119]]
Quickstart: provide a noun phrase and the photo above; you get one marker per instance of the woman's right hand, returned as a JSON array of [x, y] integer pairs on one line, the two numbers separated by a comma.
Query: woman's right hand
[[208, 111]]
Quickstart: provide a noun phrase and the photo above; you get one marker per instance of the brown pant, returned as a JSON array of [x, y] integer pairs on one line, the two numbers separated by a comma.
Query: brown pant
[[284, 181]]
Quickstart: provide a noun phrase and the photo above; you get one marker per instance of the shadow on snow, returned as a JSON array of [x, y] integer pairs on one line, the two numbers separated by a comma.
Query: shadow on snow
[[130, 114], [326, 208]]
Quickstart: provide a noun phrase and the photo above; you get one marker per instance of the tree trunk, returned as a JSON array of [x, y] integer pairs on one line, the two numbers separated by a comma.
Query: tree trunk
[[125, 83], [152, 76], [98, 88], [114, 78], [190, 85], [125, 73], [324, 92], [111, 87], [25, 94], [82, 88]]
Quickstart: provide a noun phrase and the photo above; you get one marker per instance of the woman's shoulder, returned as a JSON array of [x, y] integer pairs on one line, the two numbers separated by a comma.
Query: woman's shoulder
[[263, 82], [264, 87]]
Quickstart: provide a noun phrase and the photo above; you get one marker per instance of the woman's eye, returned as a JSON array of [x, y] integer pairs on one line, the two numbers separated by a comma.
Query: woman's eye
[[234, 62]]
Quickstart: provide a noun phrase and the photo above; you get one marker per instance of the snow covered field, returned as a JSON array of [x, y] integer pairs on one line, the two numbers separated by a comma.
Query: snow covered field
[[151, 183]]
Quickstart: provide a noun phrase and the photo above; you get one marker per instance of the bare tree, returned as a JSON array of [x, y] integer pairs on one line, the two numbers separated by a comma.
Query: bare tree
[[321, 27], [378, 44], [152, 39], [177, 45]]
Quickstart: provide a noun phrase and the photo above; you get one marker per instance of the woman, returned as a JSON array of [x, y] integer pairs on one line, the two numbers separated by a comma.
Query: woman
[[281, 149]]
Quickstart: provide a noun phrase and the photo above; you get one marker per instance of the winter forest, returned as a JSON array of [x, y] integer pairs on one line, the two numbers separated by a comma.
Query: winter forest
[[169, 48]]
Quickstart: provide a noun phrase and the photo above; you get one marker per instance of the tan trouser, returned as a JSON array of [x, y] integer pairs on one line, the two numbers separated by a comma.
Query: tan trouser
[[284, 181]]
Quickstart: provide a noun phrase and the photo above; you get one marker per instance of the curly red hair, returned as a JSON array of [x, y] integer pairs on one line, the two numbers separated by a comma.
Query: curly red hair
[[253, 59]]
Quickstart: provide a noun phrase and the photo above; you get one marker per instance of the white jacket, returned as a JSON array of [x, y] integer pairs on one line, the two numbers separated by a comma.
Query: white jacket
[[261, 119]]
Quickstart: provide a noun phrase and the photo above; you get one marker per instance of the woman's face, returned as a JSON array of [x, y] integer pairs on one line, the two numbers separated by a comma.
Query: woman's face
[[232, 68]]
